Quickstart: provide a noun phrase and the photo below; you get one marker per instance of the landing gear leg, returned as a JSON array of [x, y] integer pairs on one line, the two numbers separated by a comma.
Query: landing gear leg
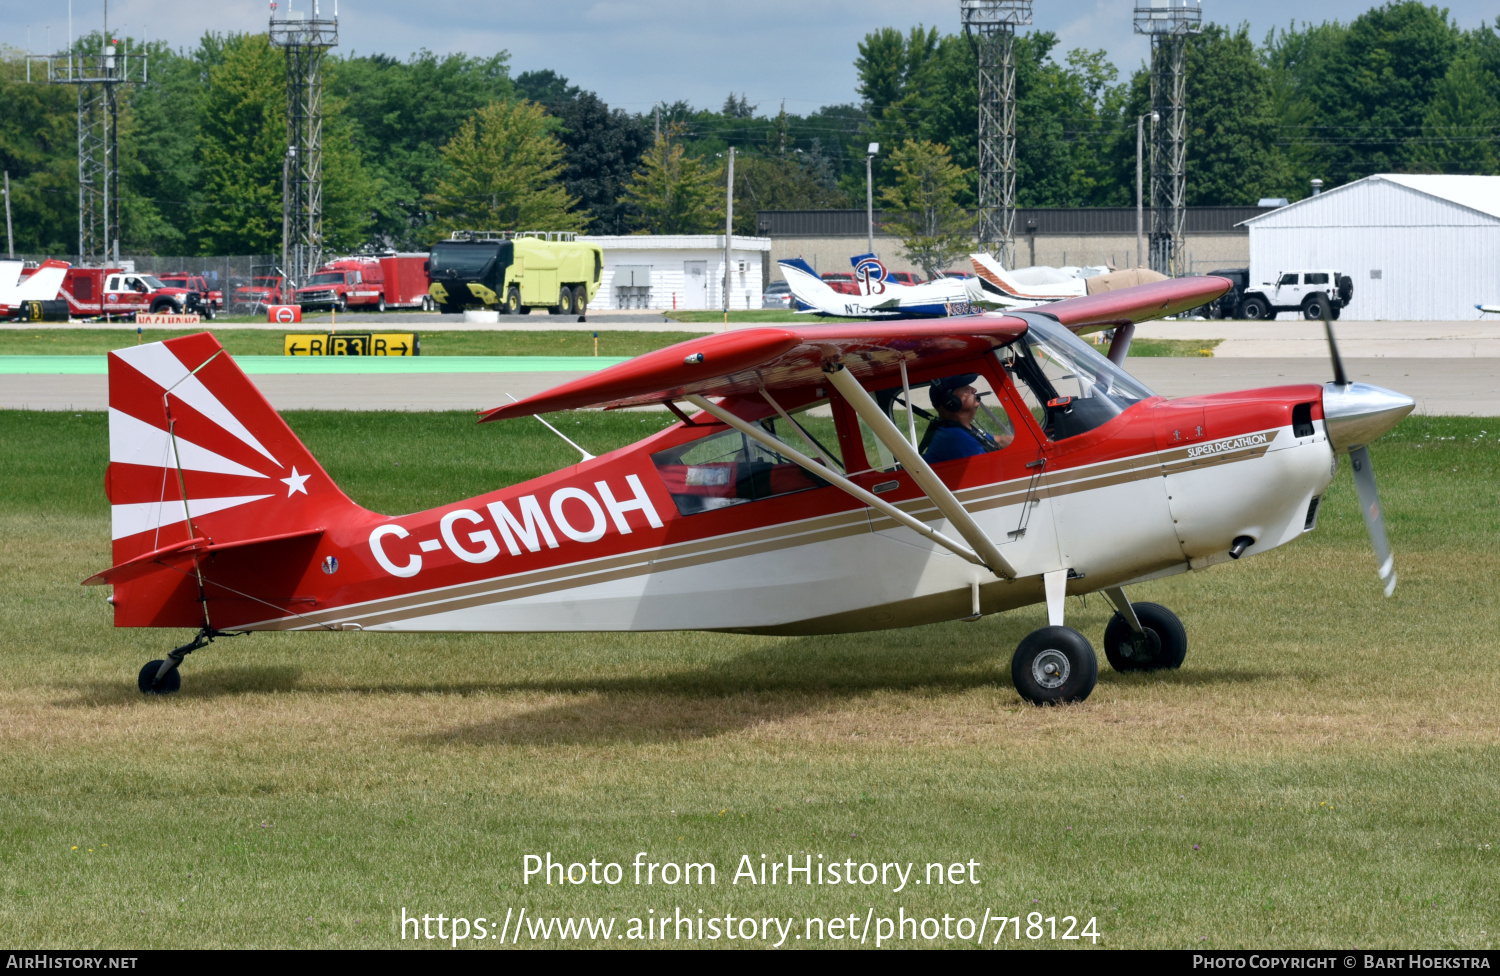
[[162, 677], [1055, 664], [1142, 636]]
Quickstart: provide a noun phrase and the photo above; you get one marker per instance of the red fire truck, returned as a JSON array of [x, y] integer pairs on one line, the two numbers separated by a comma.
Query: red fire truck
[[114, 291], [377, 283], [213, 298]]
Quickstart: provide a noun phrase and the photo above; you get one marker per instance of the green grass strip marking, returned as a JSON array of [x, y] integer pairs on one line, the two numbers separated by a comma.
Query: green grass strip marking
[[268, 365]]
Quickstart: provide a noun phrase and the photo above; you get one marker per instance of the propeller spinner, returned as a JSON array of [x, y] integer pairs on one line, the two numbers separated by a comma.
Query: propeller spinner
[[1355, 414]]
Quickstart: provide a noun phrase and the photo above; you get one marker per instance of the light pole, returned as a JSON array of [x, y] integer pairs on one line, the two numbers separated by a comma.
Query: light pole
[[728, 232], [1140, 230], [870, 196]]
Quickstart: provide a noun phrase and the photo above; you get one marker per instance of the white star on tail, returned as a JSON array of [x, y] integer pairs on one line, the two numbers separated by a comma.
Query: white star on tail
[[295, 483]]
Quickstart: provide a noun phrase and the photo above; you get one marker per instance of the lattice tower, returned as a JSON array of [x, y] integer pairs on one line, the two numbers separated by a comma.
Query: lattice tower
[[1169, 24], [305, 41], [991, 27], [97, 75]]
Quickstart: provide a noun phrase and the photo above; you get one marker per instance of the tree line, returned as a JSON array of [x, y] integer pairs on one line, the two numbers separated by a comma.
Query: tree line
[[414, 148]]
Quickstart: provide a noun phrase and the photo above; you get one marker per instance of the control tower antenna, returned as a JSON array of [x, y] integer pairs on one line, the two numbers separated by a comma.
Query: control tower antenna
[[97, 75], [305, 40], [991, 26], [1169, 24]]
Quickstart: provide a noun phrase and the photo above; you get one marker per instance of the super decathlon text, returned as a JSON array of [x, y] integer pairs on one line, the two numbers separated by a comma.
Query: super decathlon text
[[792, 870], [525, 526], [1232, 444]]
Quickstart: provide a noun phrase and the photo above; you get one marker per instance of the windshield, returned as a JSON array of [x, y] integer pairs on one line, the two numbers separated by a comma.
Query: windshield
[[151, 282], [1069, 386], [327, 278], [468, 259]]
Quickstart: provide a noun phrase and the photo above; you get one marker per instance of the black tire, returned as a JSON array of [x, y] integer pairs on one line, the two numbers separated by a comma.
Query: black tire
[[512, 303], [148, 684], [580, 299], [1053, 665], [340, 304], [380, 304], [1313, 306], [1336, 310], [209, 312], [162, 306], [1254, 308], [565, 301], [1166, 640]]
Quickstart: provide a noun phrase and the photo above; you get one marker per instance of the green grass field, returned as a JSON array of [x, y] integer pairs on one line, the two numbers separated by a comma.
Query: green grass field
[[1321, 772]]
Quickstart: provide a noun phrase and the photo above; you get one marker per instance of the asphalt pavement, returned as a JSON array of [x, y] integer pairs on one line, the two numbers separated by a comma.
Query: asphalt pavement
[[1464, 386]]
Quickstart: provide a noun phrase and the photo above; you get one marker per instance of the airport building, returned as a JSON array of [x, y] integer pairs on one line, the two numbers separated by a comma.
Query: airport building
[[669, 271], [1418, 247]]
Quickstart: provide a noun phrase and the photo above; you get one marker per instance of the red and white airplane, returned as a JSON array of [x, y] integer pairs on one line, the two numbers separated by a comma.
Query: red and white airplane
[[794, 497]]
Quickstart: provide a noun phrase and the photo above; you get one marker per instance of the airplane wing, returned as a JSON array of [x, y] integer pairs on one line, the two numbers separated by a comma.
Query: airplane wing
[[784, 358]]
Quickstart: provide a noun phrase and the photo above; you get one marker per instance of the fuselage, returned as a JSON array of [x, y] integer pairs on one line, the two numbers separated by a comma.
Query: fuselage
[[611, 545]]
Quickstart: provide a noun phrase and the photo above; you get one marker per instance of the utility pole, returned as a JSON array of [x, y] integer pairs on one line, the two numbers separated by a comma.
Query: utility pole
[[1140, 228], [10, 241], [728, 233], [658, 123], [991, 27], [870, 196]]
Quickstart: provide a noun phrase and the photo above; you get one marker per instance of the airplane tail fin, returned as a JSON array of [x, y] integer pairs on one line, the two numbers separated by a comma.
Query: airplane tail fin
[[807, 288], [44, 282], [990, 273], [201, 463]]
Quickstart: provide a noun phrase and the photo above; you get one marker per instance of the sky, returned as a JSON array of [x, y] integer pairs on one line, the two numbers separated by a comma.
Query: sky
[[635, 53]]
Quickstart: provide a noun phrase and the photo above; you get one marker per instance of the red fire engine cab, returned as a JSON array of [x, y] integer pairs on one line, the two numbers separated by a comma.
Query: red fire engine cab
[[377, 283], [93, 292]]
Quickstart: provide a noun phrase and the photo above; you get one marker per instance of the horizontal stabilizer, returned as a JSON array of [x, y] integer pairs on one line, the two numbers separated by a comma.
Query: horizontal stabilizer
[[183, 553]]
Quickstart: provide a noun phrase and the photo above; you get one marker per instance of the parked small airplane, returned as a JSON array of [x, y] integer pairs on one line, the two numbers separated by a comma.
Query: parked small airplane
[[40, 286], [1034, 286], [795, 495], [880, 297]]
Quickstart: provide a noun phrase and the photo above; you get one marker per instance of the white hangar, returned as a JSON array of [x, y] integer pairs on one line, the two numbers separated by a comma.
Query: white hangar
[[1417, 247]]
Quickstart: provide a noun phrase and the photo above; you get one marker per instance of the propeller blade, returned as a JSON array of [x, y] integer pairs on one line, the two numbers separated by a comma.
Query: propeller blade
[[1369, 507], [1339, 376]]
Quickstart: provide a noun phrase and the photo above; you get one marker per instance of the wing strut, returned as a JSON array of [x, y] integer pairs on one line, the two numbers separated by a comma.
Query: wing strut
[[926, 479], [761, 436]]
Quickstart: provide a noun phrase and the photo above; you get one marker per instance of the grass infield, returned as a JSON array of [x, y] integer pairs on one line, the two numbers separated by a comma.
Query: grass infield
[[1321, 772]]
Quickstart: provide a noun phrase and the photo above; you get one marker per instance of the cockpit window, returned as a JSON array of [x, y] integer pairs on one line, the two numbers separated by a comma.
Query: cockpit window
[[1069, 386], [729, 468]]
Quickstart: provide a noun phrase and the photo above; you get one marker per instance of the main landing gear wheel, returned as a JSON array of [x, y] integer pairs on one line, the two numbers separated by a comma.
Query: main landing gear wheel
[[149, 684], [1054, 665], [1165, 645]]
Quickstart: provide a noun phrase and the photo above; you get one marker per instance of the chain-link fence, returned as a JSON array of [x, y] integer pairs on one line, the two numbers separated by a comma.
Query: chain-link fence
[[244, 279]]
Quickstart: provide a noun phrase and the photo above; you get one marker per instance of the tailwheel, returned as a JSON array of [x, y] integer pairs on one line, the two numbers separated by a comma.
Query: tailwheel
[[1054, 665], [150, 684], [1163, 643]]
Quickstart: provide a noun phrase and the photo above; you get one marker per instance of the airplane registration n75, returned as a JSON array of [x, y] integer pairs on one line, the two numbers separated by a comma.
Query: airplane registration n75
[[821, 479]]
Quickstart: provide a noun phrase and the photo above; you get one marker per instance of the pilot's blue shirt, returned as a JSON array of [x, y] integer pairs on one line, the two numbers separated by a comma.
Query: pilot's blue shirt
[[951, 441]]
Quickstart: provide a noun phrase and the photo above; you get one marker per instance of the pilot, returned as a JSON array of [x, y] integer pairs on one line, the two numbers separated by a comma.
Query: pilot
[[954, 434]]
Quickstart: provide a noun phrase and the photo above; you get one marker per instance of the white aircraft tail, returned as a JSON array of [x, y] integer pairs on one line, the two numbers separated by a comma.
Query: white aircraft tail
[[807, 287], [990, 271], [42, 286]]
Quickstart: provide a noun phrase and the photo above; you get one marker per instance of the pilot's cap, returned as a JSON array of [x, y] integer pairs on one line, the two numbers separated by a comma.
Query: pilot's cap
[[940, 389]]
